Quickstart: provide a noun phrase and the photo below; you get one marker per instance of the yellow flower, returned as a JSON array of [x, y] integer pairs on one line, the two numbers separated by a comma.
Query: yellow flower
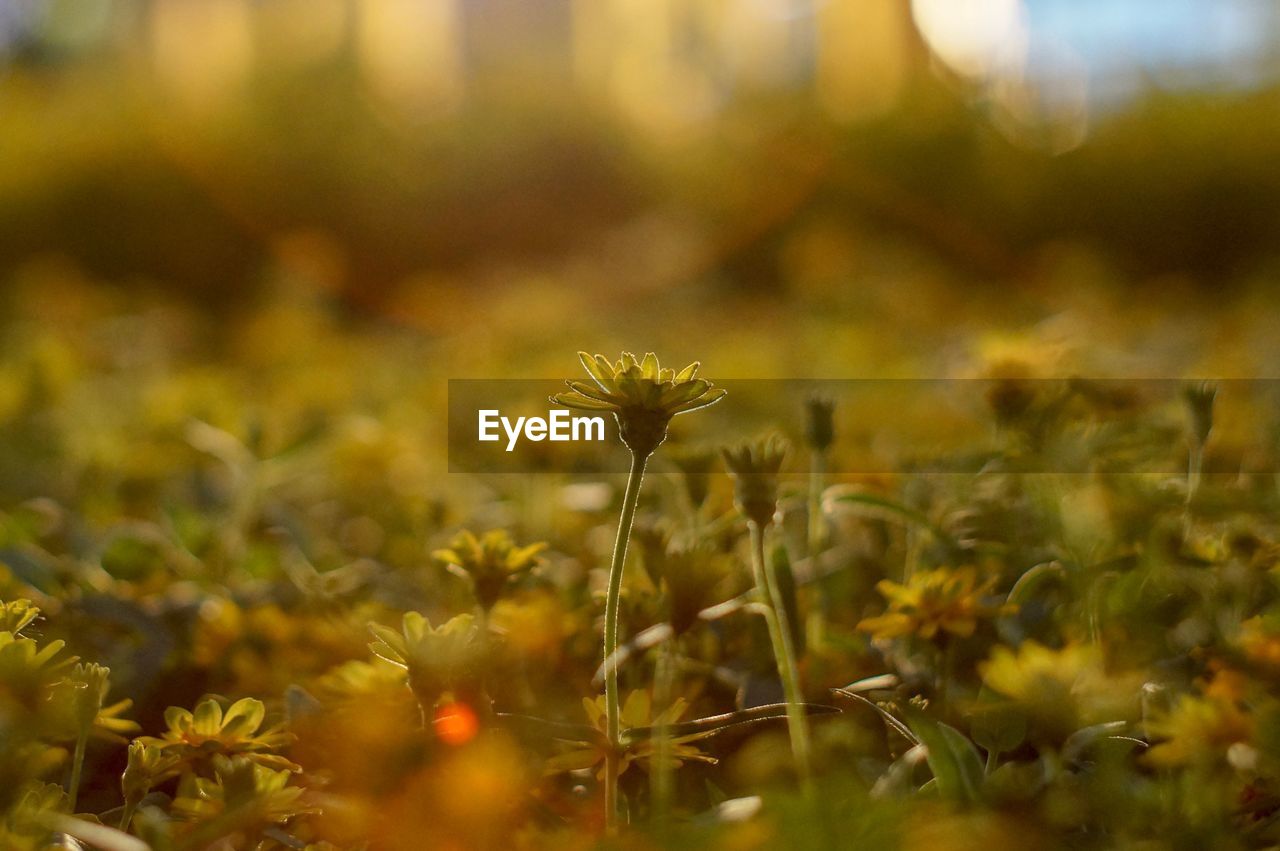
[[75, 703], [693, 579], [1198, 730], [211, 730], [641, 395], [27, 670], [438, 659], [17, 615], [147, 766], [636, 718], [754, 466], [1062, 690], [489, 562], [1260, 643], [25, 827], [1035, 672], [240, 785], [942, 600]]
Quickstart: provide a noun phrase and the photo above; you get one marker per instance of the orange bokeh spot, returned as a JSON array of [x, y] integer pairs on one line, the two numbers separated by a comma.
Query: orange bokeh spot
[[455, 723]]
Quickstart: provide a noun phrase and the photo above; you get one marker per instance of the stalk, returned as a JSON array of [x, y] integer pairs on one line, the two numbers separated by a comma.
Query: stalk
[[784, 653], [77, 766], [130, 807], [817, 528], [1195, 467], [663, 770], [613, 707], [817, 537]]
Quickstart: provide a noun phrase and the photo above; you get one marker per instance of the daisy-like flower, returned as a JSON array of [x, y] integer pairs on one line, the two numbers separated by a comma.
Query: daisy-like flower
[[16, 615], [942, 601], [693, 579], [1199, 730], [234, 731], [27, 670], [148, 766], [489, 562], [755, 466], [637, 714], [642, 396], [438, 659], [242, 786], [1062, 689]]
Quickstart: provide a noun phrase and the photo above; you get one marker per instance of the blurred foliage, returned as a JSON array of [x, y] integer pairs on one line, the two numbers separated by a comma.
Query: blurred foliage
[[245, 605]]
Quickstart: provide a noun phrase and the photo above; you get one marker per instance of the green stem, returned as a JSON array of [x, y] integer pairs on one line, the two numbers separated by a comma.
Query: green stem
[[1195, 467], [127, 816], [77, 765], [784, 653], [817, 525], [663, 770], [613, 706]]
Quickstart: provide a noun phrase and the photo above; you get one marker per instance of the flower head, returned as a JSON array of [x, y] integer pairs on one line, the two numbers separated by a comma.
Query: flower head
[[147, 766], [27, 670], [694, 579], [1199, 730], [212, 730], [819, 423], [438, 659], [754, 466], [636, 715], [1199, 399], [242, 786], [641, 395], [489, 561], [1062, 689], [76, 704], [16, 615], [696, 466], [944, 600]]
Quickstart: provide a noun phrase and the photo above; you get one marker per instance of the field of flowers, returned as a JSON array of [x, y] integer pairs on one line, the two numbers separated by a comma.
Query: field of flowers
[[245, 607], [952, 519]]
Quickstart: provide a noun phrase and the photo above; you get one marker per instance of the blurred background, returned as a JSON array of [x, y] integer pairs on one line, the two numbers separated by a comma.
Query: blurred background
[[422, 189]]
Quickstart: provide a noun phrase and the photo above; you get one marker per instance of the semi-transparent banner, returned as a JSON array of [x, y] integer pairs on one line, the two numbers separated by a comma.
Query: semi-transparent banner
[[898, 425]]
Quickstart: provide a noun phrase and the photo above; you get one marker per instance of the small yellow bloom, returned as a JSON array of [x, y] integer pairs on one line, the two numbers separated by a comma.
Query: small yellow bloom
[[211, 730], [1062, 689], [932, 602], [438, 659], [251, 790], [17, 615], [489, 562], [1198, 730], [641, 395], [636, 715]]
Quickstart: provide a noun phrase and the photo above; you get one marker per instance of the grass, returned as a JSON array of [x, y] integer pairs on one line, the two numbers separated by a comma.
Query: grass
[[308, 647]]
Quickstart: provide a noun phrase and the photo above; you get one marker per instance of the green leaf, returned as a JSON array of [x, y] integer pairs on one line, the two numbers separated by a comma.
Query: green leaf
[[1029, 585], [997, 725], [896, 511], [954, 760]]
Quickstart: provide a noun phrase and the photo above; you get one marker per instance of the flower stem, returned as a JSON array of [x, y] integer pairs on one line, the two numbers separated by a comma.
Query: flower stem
[[784, 653], [663, 770], [130, 807], [817, 624], [77, 765], [613, 707], [817, 523]]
